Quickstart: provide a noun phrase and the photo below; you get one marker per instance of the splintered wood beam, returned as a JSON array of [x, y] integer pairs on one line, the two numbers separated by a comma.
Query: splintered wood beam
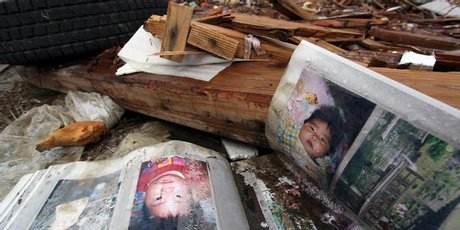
[[327, 45], [423, 40], [293, 7], [215, 20], [282, 29], [176, 31], [375, 45], [234, 104], [349, 22], [204, 37], [156, 25]]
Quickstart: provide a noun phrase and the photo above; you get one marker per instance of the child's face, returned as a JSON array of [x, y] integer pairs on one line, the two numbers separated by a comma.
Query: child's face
[[168, 196], [315, 137]]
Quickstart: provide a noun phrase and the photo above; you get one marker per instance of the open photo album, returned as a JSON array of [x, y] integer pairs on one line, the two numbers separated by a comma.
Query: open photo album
[[353, 149]]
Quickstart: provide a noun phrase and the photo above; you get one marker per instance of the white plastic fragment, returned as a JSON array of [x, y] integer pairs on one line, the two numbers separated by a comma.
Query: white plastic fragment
[[424, 61], [237, 150]]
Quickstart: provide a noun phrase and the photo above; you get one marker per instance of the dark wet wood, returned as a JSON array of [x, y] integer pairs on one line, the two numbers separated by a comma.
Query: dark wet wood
[[409, 38], [234, 104]]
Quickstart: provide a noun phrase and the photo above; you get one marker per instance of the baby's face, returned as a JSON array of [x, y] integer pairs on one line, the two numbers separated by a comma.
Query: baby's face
[[168, 196], [315, 137]]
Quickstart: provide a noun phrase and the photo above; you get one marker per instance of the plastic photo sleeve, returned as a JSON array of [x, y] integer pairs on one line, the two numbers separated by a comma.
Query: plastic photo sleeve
[[318, 124], [173, 193], [79, 203]]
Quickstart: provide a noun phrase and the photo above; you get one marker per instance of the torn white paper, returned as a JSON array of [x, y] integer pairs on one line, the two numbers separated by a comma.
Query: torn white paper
[[138, 54], [427, 61]]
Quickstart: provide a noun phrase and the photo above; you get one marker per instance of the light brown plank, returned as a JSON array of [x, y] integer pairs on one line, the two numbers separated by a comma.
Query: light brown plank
[[156, 24], [177, 28], [204, 37]]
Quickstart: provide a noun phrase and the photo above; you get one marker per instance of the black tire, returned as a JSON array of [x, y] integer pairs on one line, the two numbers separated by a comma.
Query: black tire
[[37, 31]]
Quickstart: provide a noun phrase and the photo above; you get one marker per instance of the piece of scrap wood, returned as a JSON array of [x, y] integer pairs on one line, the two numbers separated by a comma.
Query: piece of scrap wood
[[409, 38], [327, 45], [350, 22], [177, 28], [272, 50], [204, 37], [215, 20], [75, 134], [375, 45], [282, 29], [156, 25], [185, 52], [293, 7]]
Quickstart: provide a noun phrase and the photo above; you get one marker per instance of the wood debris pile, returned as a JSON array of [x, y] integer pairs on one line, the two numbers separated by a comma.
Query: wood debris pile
[[373, 33]]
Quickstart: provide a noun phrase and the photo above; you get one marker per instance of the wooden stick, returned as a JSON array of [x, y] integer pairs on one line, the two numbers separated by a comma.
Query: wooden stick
[[177, 28], [282, 29], [185, 52]]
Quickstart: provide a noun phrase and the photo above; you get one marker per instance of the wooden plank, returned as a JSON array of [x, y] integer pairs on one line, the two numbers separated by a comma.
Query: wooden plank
[[327, 45], [234, 104], [156, 25], [443, 86], [176, 30], [293, 7], [272, 51], [282, 29], [423, 40], [349, 22], [375, 45], [204, 37]]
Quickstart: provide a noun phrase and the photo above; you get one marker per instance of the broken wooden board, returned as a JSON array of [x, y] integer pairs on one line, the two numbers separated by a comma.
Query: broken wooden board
[[350, 22], [423, 40], [272, 51], [176, 30], [282, 29], [293, 7], [443, 86], [233, 104], [204, 37], [156, 25]]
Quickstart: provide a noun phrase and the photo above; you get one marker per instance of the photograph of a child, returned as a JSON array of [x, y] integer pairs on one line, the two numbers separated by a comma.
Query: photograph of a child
[[319, 123], [74, 204], [173, 193]]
